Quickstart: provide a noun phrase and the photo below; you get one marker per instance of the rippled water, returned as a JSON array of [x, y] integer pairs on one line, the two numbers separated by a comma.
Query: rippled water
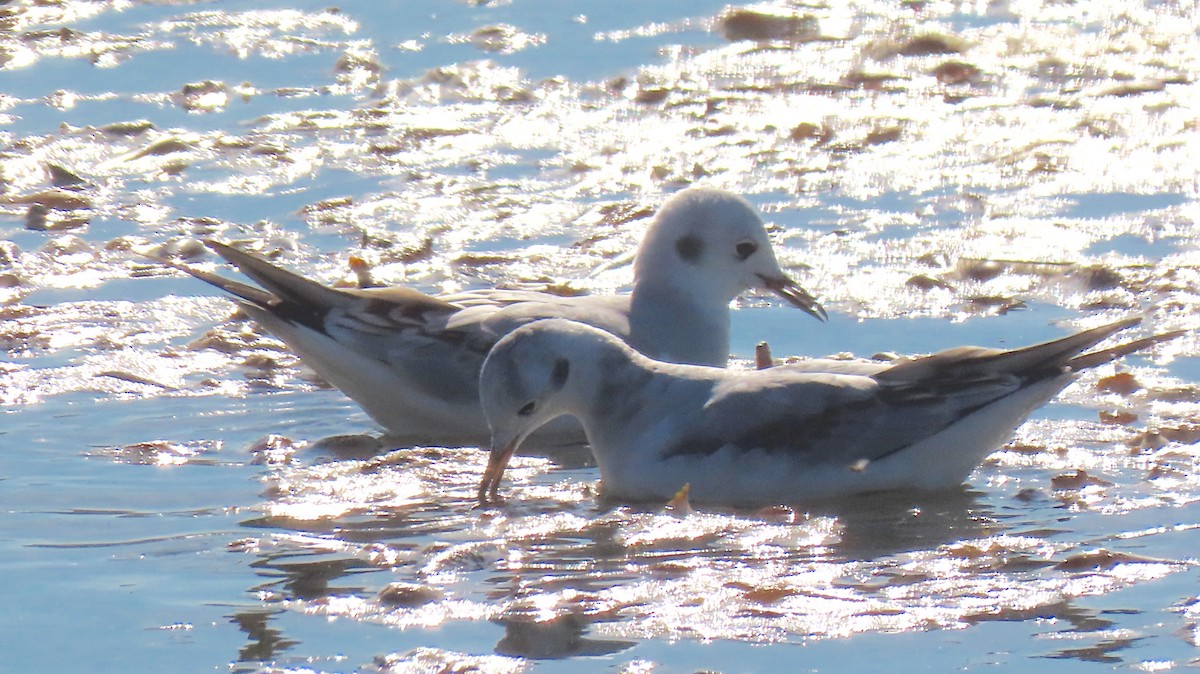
[[177, 493]]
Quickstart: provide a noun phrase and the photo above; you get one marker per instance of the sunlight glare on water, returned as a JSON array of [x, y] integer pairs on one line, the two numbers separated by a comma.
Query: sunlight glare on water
[[937, 173]]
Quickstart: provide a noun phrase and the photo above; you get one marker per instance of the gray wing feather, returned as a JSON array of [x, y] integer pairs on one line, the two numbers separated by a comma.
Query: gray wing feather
[[870, 416], [830, 418], [397, 324]]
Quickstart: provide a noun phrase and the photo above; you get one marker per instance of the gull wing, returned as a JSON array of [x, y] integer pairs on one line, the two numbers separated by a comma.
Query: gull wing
[[474, 319], [491, 314], [427, 343], [827, 418], [848, 419], [300, 299]]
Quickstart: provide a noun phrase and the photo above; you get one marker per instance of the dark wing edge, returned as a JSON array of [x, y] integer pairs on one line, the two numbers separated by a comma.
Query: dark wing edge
[[1097, 358], [966, 363], [296, 299], [242, 291]]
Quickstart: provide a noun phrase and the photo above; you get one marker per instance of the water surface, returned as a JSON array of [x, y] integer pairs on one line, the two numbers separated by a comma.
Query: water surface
[[994, 174]]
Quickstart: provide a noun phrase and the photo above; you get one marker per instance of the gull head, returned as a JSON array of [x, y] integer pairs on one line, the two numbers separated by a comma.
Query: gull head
[[712, 246], [531, 376]]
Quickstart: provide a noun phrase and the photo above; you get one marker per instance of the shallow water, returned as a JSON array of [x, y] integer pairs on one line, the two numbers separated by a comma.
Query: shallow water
[[997, 174]]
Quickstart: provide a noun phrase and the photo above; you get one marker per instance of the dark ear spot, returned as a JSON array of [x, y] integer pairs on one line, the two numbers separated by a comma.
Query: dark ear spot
[[690, 247], [558, 377]]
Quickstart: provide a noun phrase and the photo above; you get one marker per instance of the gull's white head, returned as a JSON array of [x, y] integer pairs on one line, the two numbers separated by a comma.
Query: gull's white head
[[712, 245], [533, 375]]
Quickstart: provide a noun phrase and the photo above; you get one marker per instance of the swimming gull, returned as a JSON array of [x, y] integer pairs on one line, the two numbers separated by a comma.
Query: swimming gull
[[778, 435], [412, 360]]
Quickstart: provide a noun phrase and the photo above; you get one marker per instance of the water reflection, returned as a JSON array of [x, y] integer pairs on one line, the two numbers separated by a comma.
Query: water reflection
[[567, 575], [307, 579], [529, 633], [555, 569], [1105, 651], [1079, 619], [266, 642], [883, 524]]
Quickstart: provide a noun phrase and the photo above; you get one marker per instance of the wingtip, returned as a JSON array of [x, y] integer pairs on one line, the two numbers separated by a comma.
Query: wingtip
[[1097, 358], [1065, 352], [240, 291], [225, 250], [1125, 323]]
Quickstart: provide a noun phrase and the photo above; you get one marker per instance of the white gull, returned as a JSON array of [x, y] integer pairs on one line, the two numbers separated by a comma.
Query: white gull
[[412, 360], [780, 435]]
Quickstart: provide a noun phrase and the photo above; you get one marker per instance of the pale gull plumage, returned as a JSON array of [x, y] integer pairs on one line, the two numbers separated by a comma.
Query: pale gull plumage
[[779, 435], [412, 360]]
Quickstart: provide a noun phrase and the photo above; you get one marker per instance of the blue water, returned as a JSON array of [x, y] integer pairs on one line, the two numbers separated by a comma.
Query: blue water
[[142, 529], [779, 327]]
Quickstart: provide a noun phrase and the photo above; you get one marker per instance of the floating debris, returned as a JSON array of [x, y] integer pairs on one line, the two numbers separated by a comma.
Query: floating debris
[[762, 23], [58, 200], [504, 39], [1119, 417], [135, 379], [1121, 383], [1077, 479], [409, 594], [273, 450], [931, 44], [157, 453], [1185, 434], [956, 72], [1103, 560], [206, 96]]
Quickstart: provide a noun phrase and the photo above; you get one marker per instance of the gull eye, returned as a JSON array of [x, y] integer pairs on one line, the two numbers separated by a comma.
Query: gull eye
[[745, 249], [527, 409]]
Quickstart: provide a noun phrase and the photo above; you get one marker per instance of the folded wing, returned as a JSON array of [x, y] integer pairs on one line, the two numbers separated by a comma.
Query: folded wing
[[851, 419]]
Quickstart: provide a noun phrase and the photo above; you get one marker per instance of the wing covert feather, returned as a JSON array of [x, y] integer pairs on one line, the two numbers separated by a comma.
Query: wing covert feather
[[829, 417]]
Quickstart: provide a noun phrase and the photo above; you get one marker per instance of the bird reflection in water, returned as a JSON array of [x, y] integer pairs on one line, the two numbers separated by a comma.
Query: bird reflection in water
[[266, 642], [528, 633]]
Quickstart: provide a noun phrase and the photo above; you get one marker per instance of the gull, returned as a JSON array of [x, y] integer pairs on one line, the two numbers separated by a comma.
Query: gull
[[785, 434], [412, 360]]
